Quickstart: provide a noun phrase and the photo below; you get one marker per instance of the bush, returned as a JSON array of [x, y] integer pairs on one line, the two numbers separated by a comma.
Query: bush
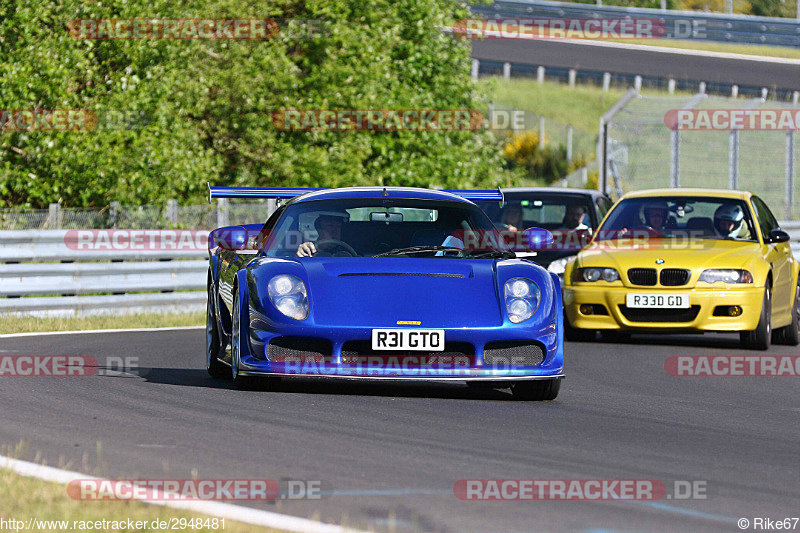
[[550, 164]]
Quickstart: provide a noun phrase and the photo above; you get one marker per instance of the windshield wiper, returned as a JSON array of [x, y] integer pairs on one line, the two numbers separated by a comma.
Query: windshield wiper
[[495, 254], [419, 249]]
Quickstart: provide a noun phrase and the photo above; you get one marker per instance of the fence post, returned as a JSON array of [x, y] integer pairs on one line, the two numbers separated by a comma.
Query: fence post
[[572, 74], [702, 88], [675, 159], [637, 83], [540, 74], [172, 211], [764, 93], [272, 205], [541, 132], [796, 94], [729, 7], [734, 91], [506, 71], [789, 173], [569, 144], [733, 160], [671, 86], [54, 216], [113, 214], [606, 81], [222, 212], [476, 65]]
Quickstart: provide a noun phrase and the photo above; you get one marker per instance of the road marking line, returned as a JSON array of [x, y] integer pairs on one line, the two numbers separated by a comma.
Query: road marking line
[[686, 51], [662, 49], [80, 332], [237, 513]]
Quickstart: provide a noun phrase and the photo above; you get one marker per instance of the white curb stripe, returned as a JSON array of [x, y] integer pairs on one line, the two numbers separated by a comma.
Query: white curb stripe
[[237, 513], [81, 332]]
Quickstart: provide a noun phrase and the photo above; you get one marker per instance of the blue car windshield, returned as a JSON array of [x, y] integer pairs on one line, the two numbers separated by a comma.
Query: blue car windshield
[[680, 217], [391, 227]]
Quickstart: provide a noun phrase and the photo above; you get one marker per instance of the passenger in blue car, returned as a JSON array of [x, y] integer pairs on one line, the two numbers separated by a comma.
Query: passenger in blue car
[[329, 236]]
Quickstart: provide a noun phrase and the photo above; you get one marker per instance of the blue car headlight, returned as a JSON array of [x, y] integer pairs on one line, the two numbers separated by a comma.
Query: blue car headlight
[[289, 296], [522, 298]]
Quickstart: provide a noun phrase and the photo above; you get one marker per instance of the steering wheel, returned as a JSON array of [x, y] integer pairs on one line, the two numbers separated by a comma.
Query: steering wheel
[[346, 248], [652, 233]]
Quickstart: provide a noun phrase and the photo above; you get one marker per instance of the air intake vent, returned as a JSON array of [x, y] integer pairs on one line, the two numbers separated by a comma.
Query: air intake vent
[[293, 347], [511, 353], [635, 314], [642, 276]]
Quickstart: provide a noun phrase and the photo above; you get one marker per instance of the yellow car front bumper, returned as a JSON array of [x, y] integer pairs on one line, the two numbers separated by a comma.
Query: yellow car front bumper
[[699, 317]]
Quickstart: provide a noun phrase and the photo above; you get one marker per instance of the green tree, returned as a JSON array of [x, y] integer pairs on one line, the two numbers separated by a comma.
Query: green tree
[[210, 102]]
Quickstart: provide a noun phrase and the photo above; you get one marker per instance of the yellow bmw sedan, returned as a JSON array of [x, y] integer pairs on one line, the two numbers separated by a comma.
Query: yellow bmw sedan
[[677, 260]]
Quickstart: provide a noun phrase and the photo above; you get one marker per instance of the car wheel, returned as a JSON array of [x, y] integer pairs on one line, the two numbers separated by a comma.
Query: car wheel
[[759, 338], [536, 391], [215, 368], [578, 335], [790, 334], [240, 381]]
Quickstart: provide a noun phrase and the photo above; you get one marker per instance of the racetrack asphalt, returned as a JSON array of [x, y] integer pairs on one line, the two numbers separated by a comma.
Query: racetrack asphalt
[[667, 63], [393, 451]]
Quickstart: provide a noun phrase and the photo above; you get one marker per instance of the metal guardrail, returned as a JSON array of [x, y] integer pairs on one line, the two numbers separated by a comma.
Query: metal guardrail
[[51, 245], [42, 274], [719, 27], [71, 289]]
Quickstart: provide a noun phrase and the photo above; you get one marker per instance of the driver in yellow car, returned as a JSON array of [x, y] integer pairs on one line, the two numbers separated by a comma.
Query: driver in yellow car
[[329, 234], [655, 215]]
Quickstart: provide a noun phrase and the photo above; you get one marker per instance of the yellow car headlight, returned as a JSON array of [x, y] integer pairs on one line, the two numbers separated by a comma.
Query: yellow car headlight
[[726, 275]]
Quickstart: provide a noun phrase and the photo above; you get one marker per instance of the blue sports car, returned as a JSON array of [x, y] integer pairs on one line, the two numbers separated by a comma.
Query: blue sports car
[[382, 283]]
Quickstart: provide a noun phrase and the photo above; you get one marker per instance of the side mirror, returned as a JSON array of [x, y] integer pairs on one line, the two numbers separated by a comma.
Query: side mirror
[[228, 238], [778, 235], [538, 238]]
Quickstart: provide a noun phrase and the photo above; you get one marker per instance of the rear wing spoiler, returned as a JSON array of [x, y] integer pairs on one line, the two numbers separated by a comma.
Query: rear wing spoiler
[[283, 193]]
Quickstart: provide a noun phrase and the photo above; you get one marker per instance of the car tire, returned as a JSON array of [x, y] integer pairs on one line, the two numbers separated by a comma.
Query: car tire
[[759, 338], [536, 391], [240, 381], [215, 368], [578, 335], [790, 335]]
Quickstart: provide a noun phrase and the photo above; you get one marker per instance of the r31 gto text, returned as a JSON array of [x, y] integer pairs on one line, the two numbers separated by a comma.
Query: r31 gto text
[[416, 339]]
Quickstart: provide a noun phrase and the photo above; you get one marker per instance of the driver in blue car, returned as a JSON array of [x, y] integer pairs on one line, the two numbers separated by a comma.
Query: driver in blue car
[[329, 236]]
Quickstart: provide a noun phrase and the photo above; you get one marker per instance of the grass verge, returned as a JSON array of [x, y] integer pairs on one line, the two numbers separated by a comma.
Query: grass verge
[[23, 498], [10, 324]]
